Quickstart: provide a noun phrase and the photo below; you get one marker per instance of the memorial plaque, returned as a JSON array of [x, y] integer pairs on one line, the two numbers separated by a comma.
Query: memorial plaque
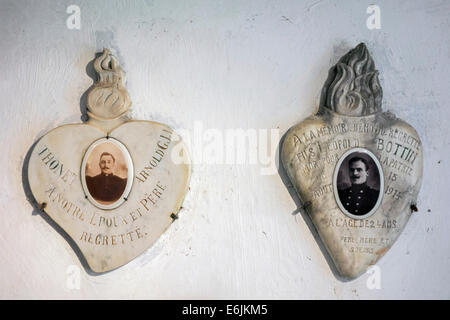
[[113, 184], [356, 169]]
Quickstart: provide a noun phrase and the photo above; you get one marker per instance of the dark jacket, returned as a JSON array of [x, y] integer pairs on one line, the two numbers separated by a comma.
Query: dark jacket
[[358, 199], [106, 187]]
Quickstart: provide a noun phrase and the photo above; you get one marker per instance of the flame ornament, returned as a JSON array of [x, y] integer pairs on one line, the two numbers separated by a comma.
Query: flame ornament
[[352, 87], [108, 99]]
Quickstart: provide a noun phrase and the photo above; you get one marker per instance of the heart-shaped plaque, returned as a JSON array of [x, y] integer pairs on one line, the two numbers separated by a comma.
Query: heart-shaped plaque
[[113, 184], [357, 170]]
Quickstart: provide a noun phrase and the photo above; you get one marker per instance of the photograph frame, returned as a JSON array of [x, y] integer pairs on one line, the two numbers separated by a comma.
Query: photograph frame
[[130, 173], [381, 176]]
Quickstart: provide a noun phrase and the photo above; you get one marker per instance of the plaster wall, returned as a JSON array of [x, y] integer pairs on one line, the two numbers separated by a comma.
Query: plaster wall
[[199, 65]]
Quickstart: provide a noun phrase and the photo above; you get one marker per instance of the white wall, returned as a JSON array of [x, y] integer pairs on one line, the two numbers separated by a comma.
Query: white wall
[[222, 64]]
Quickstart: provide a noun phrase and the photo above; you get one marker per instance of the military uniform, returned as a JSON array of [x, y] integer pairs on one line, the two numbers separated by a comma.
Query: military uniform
[[358, 199], [106, 187]]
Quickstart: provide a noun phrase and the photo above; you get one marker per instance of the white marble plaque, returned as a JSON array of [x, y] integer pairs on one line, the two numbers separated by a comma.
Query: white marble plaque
[[113, 184]]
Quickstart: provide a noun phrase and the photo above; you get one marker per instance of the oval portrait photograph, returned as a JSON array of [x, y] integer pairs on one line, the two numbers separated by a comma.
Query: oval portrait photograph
[[358, 183], [107, 173]]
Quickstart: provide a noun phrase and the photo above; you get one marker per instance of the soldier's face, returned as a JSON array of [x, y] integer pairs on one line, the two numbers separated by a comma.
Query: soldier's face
[[358, 172], [106, 164]]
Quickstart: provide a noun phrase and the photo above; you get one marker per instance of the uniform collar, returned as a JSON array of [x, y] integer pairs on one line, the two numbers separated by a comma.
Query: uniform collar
[[359, 186], [106, 175]]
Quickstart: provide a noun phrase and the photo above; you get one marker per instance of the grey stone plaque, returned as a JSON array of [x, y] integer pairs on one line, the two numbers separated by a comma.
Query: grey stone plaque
[[356, 169]]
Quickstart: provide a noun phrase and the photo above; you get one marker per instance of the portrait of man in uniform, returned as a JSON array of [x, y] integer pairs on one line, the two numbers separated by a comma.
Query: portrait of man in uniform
[[358, 184], [106, 187]]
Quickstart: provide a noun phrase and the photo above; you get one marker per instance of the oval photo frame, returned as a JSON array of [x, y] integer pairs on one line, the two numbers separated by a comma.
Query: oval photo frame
[[363, 197], [107, 173]]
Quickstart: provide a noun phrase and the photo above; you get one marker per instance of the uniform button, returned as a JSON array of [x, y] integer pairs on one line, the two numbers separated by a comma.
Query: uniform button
[[356, 210], [349, 197], [347, 203], [350, 191], [359, 197], [361, 191], [357, 204]]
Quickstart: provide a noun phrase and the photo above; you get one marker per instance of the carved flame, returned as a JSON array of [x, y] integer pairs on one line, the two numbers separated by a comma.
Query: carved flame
[[108, 98], [352, 87], [108, 69]]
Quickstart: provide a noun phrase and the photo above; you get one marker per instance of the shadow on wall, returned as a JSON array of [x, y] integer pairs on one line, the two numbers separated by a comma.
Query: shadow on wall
[[39, 209], [90, 71], [302, 210]]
